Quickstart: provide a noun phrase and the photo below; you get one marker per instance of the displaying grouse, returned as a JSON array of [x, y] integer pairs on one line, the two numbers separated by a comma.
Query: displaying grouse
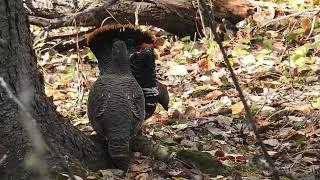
[[143, 69], [142, 59], [116, 105]]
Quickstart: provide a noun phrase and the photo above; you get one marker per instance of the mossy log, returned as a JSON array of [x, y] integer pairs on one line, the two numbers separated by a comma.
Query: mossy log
[[202, 161]]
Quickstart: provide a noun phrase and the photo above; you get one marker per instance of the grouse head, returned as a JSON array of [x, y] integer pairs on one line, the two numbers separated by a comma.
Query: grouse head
[[119, 62], [120, 53]]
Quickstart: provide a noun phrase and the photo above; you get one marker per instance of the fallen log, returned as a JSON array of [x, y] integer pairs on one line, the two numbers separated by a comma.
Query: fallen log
[[202, 161], [178, 17]]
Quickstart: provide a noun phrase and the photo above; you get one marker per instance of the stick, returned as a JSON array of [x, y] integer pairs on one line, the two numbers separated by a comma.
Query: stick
[[249, 116]]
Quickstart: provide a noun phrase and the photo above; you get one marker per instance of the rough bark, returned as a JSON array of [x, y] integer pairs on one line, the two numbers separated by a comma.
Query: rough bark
[[179, 17], [18, 67]]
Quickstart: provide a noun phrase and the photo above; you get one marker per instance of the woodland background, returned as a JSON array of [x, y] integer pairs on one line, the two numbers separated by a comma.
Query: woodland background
[[274, 49]]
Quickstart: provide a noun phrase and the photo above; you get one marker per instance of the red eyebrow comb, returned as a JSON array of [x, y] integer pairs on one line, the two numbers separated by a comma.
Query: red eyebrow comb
[[145, 45]]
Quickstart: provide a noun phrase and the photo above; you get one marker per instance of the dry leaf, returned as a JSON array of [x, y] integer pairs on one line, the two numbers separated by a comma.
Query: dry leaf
[[177, 114], [142, 176], [236, 157], [304, 107], [140, 167], [237, 108], [262, 122], [177, 70], [271, 142], [191, 112], [180, 127], [55, 94], [306, 25], [206, 64], [213, 95], [218, 153], [176, 49], [310, 160]]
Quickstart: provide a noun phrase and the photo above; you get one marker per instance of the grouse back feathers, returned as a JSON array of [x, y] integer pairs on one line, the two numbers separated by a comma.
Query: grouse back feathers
[[142, 59], [116, 105]]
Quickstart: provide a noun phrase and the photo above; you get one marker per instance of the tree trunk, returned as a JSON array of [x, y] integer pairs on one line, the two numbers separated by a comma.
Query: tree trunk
[[18, 67], [179, 17]]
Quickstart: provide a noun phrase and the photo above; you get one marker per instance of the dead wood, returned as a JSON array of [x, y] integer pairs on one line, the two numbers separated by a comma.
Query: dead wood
[[179, 17]]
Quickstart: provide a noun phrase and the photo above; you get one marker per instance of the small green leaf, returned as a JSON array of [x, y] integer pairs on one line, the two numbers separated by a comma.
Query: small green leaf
[[241, 49], [267, 43], [185, 39], [90, 55]]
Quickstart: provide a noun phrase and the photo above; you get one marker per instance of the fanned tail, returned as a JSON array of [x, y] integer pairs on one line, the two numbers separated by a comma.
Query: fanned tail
[[119, 152]]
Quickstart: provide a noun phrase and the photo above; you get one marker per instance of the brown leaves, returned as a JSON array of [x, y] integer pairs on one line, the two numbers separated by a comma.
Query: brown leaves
[[306, 25], [237, 108], [57, 96], [206, 64], [213, 95], [221, 155], [277, 67]]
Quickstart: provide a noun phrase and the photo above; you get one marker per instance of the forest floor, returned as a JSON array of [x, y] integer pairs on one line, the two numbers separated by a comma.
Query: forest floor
[[278, 67]]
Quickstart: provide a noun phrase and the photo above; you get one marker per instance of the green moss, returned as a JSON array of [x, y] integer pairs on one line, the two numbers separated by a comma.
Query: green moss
[[243, 149], [254, 109], [205, 162], [68, 70], [300, 141], [248, 171], [200, 90]]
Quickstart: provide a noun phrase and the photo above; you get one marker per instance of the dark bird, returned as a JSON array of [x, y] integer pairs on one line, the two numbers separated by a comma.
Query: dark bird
[[142, 59], [143, 69], [163, 95], [116, 105]]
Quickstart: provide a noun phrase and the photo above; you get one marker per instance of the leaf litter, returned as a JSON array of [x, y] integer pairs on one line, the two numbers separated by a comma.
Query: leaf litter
[[278, 68]]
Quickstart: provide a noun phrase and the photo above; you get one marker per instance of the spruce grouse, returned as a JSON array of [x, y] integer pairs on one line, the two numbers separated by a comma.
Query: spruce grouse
[[142, 58], [116, 105]]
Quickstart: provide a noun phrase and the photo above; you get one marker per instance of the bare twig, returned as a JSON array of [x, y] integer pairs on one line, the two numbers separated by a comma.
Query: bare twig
[[79, 78], [249, 115], [313, 11], [284, 51], [202, 21], [105, 19], [312, 27], [109, 17], [136, 14]]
